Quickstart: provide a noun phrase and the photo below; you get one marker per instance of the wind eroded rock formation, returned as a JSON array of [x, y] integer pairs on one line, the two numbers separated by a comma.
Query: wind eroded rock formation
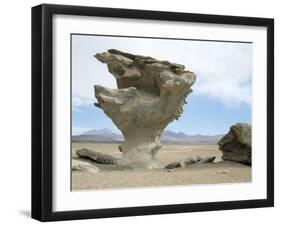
[[150, 95]]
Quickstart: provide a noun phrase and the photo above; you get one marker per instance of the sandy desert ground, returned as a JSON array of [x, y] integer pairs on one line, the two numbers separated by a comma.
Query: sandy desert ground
[[112, 177]]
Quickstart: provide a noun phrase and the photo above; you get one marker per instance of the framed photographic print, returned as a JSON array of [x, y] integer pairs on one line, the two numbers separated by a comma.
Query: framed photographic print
[[146, 112]]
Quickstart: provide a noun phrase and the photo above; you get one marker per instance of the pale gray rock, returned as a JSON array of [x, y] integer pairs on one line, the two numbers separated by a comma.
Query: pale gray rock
[[96, 156], [82, 166], [190, 160], [150, 95], [236, 145]]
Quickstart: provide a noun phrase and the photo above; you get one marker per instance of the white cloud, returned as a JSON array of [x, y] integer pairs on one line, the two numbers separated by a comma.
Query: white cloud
[[78, 102], [226, 75], [230, 94], [224, 70]]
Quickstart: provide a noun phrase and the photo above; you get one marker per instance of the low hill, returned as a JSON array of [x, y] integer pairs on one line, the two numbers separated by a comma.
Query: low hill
[[168, 136]]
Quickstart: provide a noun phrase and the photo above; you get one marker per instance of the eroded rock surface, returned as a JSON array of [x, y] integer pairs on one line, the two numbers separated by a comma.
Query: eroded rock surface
[[190, 160], [96, 156], [150, 95], [82, 166], [236, 145]]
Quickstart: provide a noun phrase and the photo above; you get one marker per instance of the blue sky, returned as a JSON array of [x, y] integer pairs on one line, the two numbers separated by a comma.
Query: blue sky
[[221, 95]]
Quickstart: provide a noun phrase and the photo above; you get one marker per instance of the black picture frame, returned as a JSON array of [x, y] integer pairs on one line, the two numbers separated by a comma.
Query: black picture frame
[[42, 111]]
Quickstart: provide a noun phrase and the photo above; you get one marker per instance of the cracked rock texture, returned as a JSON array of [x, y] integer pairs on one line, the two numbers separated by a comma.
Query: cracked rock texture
[[236, 145], [150, 95]]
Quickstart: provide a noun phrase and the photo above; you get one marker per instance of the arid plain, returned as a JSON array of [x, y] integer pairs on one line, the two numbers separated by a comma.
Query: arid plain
[[111, 176]]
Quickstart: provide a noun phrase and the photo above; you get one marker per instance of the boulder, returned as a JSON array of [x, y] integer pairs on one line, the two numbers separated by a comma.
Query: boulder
[[83, 166], [96, 156], [236, 145]]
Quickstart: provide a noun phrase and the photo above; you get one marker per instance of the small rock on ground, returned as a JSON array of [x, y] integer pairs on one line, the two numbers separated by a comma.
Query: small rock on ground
[[82, 166]]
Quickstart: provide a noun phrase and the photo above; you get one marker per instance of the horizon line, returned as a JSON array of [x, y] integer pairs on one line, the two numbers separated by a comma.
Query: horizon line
[[119, 133]]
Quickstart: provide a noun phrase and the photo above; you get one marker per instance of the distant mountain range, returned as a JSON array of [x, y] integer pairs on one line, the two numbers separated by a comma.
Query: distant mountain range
[[168, 136]]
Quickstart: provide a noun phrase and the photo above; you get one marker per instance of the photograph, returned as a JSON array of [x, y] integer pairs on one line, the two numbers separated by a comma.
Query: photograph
[[158, 112]]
